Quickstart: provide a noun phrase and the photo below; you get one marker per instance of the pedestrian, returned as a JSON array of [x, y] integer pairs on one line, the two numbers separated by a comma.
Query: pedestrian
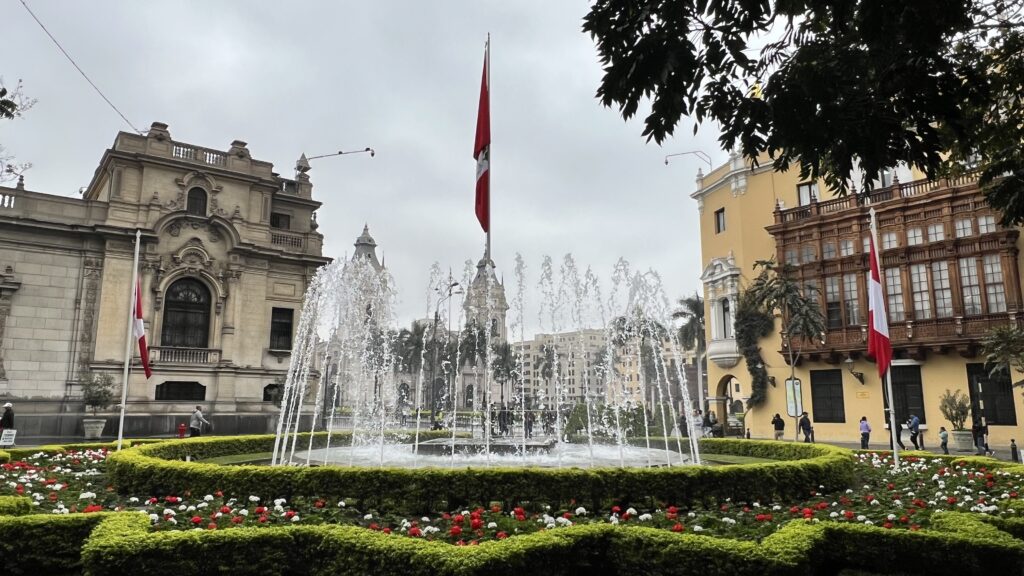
[[780, 426], [914, 425], [983, 440], [898, 435], [195, 423], [805, 426], [528, 423], [7, 420], [865, 432], [944, 438]]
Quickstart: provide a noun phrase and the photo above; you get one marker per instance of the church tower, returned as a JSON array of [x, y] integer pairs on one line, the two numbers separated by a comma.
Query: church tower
[[487, 310]]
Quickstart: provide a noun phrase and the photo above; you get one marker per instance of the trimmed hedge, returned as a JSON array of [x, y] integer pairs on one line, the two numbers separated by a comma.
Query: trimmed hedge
[[5, 456], [158, 470], [46, 543], [15, 505], [959, 545]]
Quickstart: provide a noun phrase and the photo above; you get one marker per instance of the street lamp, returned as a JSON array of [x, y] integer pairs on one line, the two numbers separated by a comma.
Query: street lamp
[[698, 153], [433, 338]]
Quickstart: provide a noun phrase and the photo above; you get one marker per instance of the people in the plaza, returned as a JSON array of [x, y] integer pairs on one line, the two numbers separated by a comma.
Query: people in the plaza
[[898, 435], [805, 426], [865, 432], [528, 423], [944, 439], [779, 425], [7, 420], [914, 425], [980, 433], [195, 423]]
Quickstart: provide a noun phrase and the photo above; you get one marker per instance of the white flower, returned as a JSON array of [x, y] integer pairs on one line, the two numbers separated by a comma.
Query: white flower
[[581, 511], [133, 500], [279, 509], [368, 517], [861, 518], [172, 520], [631, 511], [898, 503], [698, 528], [341, 504], [425, 520], [869, 522], [890, 517], [154, 518], [208, 498], [492, 525], [728, 521], [562, 521], [876, 503], [87, 495], [776, 507], [692, 515], [834, 515], [218, 515], [614, 519], [849, 490], [169, 512], [645, 517], [202, 505], [254, 498], [243, 512], [183, 508], [295, 518]]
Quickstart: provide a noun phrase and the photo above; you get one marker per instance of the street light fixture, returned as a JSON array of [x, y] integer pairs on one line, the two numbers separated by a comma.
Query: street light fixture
[[698, 153], [849, 367]]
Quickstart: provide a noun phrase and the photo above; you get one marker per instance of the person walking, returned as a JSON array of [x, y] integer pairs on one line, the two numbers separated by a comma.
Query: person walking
[[195, 423], [914, 425], [865, 432], [898, 435], [805, 427], [944, 439], [780, 426], [7, 420]]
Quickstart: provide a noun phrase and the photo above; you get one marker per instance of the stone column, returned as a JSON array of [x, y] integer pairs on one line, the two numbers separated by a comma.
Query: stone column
[[8, 286]]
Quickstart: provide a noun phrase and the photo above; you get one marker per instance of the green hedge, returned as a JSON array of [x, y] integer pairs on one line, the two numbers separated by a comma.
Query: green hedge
[[958, 545], [48, 544], [159, 470], [5, 456], [15, 505]]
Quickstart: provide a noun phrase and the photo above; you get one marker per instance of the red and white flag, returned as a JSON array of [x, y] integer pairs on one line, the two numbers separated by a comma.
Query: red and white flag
[[879, 345], [482, 149], [139, 331]]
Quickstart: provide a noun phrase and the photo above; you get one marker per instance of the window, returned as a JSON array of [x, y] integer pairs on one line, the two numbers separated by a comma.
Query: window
[[186, 322], [791, 258], [964, 227], [906, 392], [726, 318], [941, 290], [272, 393], [833, 303], [970, 286], [811, 291], [196, 202], [914, 237], [280, 221], [890, 240], [719, 220], [829, 251], [919, 288], [281, 328], [190, 391], [827, 396], [866, 245], [894, 294], [846, 247], [936, 233], [885, 178], [986, 224], [808, 255], [806, 193], [991, 396], [852, 303], [994, 290]]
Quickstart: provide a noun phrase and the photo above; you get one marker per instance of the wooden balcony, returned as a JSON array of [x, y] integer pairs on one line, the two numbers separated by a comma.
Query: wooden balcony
[[913, 339], [183, 356]]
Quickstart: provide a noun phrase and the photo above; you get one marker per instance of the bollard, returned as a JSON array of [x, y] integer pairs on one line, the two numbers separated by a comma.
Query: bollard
[[748, 433], [1013, 450]]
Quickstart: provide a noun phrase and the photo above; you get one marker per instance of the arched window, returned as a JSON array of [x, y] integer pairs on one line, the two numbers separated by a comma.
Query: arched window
[[272, 393], [726, 318], [468, 397], [186, 315], [196, 202], [494, 326]]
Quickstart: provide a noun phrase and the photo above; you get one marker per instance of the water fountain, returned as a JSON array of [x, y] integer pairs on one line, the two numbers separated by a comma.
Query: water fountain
[[569, 401]]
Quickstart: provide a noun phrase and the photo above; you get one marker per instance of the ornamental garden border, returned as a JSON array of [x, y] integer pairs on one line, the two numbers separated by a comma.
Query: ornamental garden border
[[159, 469]]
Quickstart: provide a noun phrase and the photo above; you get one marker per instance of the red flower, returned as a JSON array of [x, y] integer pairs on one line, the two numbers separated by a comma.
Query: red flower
[[455, 531], [459, 518], [225, 510], [460, 543], [821, 505], [890, 486], [763, 517], [476, 524], [197, 520], [724, 507], [1013, 494], [678, 527], [446, 516], [794, 510], [93, 508], [501, 535], [260, 510], [625, 516], [951, 500], [914, 527], [415, 532], [672, 510], [386, 530], [319, 504], [263, 519], [567, 515], [237, 519], [518, 510], [904, 519], [496, 508], [849, 514], [520, 517], [374, 526], [289, 514], [152, 500], [474, 514], [53, 496], [211, 526], [616, 509], [887, 525], [218, 494]]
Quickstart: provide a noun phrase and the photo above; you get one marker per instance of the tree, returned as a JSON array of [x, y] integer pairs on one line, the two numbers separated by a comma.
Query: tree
[[97, 391], [778, 294], [829, 86], [545, 364], [1004, 348], [692, 336], [955, 408], [13, 104]]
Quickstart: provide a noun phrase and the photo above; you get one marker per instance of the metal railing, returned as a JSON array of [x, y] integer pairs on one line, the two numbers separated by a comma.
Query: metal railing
[[286, 240], [196, 154]]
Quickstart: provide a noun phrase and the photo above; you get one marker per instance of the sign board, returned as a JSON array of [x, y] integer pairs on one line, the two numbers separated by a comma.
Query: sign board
[[7, 438], [794, 397], [863, 395]]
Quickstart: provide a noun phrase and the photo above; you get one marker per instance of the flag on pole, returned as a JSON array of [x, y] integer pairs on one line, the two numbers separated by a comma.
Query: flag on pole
[[879, 345], [482, 149], [139, 331]]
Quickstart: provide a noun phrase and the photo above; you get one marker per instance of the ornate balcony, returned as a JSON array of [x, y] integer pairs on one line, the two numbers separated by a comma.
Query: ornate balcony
[[187, 356], [724, 352]]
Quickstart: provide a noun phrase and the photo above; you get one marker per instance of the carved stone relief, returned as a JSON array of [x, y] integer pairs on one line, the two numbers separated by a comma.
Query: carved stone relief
[[93, 274]]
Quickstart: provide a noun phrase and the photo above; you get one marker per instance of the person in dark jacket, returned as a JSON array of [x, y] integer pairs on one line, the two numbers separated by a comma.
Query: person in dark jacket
[[780, 426], [805, 427], [7, 420]]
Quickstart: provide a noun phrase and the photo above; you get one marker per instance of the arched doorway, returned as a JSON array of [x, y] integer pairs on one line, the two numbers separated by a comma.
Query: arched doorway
[[725, 404], [186, 321]]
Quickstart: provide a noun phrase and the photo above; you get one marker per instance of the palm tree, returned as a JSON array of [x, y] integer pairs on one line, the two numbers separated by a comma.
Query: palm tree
[[545, 363], [778, 293], [409, 348], [692, 335]]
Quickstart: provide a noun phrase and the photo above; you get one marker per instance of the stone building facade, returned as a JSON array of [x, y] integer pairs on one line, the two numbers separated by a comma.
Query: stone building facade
[[228, 247]]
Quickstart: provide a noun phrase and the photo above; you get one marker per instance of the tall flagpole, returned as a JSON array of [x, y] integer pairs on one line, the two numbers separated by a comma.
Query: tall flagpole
[[888, 370], [132, 298], [490, 146]]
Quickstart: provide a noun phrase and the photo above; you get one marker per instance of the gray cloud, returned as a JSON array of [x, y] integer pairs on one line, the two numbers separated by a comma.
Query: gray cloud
[[403, 77]]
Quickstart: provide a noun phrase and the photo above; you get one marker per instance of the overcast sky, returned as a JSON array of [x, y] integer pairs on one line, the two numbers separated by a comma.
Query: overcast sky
[[403, 77]]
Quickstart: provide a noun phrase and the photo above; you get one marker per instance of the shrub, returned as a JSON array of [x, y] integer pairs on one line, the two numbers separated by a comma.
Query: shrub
[[955, 408], [97, 391], [45, 543], [15, 505]]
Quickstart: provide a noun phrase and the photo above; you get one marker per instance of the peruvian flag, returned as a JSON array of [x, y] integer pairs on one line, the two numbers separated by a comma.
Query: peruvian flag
[[139, 331], [482, 149], [879, 345]]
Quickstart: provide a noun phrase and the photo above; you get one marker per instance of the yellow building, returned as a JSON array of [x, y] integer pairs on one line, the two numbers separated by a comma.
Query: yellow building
[[950, 273]]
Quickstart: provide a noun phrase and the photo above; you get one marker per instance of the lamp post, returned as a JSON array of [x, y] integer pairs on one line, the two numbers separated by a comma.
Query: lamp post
[[327, 392], [433, 338]]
